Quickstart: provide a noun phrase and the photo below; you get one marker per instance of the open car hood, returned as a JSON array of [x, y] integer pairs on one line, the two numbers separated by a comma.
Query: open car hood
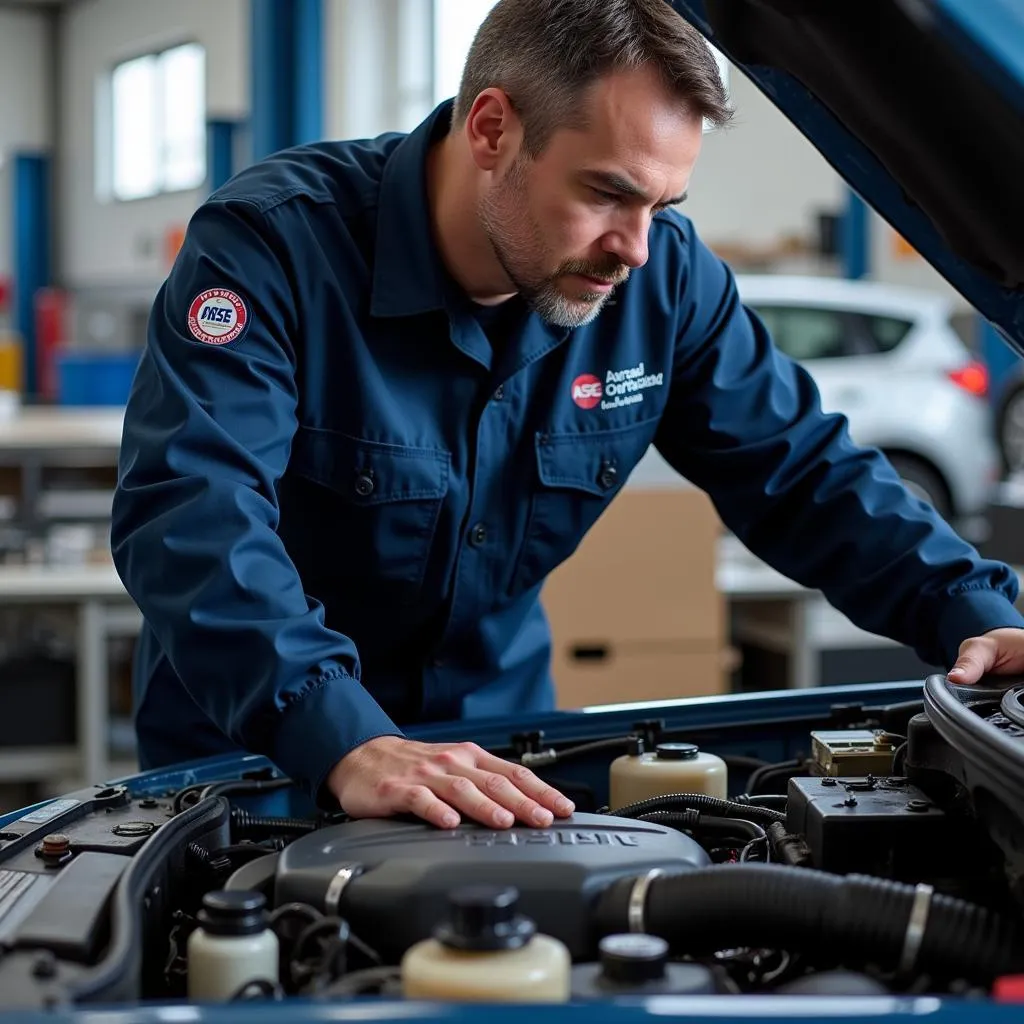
[[919, 105]]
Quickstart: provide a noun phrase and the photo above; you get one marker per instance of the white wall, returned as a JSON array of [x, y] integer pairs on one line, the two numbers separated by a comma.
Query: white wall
[[758, 179], [122, 243], [26, 73], [377, 66]]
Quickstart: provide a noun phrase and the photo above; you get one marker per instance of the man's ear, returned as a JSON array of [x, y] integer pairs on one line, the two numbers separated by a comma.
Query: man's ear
[[493, 130]]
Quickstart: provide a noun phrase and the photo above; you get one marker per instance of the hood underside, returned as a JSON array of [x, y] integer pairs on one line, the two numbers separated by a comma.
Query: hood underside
[[918, 105]]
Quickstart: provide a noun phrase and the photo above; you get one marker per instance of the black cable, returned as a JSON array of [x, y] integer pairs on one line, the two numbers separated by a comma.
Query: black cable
[[224, 787], [703, 803], [747, 851], [369, 980], [776, 801], [853, 920], [707, 824], [328, 962], [769, 771], [542, 758], [738, 761], [286, 910], [260, 988]]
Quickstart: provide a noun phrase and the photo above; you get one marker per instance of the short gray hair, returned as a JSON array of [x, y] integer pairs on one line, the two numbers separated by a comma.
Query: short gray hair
[[545, 53]]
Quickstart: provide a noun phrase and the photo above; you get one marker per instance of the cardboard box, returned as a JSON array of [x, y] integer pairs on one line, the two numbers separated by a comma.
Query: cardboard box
[[645, 571], [622, 673]]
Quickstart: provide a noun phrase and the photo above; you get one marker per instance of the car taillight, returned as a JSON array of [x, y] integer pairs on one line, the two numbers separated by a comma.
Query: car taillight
[[973, 378]]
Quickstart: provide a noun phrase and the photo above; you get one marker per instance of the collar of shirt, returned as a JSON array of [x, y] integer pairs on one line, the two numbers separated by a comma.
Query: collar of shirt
[[409, 278]]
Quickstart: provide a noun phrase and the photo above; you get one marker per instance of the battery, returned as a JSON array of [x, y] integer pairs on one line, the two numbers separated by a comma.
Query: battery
[[884, 827]]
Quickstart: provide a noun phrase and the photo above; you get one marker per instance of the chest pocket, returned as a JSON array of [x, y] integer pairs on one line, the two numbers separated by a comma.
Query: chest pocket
[[363, 513], [578, 474]]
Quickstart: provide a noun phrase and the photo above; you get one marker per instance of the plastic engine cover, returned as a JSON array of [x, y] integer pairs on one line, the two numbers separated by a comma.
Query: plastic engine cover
[[408, 869]]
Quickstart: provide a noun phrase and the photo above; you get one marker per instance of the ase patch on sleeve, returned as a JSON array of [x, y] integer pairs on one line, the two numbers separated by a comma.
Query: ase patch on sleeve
[[217, 316]]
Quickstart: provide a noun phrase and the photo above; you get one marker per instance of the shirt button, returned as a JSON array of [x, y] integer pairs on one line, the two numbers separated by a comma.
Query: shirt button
[[478, 535], [608, 476], [499, 392], [364, 484]]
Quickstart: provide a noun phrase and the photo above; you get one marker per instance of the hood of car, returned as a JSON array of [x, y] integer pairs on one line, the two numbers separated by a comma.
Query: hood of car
[[919, 105]]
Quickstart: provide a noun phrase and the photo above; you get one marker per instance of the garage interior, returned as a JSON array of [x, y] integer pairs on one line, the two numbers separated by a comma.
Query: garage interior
[[117, 119]]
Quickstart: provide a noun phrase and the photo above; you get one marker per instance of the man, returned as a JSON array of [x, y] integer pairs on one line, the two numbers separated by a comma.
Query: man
[[374, 413]]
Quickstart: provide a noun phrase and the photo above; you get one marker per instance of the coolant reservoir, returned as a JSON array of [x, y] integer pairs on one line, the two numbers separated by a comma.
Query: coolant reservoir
[[233, 946], [671, 768], [487, 953]]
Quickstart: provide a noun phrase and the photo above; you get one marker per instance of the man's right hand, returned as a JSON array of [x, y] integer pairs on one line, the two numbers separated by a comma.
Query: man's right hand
[[441, 781]]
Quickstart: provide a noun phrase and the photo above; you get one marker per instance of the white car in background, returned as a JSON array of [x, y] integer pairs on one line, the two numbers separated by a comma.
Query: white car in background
[[889, 358]]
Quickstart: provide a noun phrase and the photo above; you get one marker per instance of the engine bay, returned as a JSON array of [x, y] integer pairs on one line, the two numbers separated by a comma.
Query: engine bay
[[883, 856]]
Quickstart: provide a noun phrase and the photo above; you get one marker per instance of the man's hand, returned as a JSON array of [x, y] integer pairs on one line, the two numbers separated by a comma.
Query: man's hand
[[999, 652], [437, 781]]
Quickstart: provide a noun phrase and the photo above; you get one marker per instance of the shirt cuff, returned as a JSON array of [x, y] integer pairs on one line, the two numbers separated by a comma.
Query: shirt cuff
[[316, 732], [972, 613]]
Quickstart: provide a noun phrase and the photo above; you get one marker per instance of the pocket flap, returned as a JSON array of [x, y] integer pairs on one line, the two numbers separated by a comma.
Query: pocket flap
[[597, 461], [370, 472]]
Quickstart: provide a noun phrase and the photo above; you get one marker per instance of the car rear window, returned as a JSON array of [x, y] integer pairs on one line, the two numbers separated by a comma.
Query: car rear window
[[804, 332], [887, 331], [965, 324]]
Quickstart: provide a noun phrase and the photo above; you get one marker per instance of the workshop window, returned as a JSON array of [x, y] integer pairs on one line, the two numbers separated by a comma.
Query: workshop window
[[157, 124], [455, 24]]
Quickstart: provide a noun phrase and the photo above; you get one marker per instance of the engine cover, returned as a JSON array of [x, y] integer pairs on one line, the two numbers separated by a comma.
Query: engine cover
[[408, 869]]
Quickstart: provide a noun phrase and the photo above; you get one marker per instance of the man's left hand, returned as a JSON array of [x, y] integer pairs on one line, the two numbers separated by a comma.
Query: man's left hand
[[999, 652]]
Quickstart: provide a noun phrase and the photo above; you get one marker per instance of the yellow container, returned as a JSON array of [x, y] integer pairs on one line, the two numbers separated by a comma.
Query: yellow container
[[12, 372]]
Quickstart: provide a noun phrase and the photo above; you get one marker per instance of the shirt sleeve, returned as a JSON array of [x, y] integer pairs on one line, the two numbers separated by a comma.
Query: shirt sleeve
[[207, 435], [745, 424]]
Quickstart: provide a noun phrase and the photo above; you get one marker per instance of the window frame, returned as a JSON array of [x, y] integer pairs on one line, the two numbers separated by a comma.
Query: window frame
[[106, 163]]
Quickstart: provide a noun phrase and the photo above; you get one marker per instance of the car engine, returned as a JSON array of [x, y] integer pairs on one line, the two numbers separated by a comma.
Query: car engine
[[888, 858]]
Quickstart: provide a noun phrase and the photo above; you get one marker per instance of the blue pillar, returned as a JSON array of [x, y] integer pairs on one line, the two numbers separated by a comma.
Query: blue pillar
[[286, 74], [31, 223], [854, 237], [220, 152], [309, 71], [998, 356]]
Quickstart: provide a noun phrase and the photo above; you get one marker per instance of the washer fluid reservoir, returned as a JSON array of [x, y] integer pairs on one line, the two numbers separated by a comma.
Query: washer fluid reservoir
[[671, 768]]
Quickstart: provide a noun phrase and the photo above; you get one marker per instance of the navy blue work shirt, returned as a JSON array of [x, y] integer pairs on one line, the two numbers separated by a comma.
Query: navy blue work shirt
[[341, 490]]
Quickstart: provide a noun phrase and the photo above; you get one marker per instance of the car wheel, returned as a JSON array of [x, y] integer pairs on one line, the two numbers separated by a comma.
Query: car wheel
[[923, 481], [1010, 426]]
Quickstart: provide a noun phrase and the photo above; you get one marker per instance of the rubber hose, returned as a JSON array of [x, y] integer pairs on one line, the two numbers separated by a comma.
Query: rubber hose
[[703, 803], [852, 920]]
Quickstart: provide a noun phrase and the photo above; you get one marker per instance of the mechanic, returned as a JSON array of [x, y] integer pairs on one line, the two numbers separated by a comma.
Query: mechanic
[[389, 384]]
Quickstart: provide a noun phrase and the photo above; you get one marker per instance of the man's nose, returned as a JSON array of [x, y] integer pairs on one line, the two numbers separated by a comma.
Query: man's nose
[[629, 242]]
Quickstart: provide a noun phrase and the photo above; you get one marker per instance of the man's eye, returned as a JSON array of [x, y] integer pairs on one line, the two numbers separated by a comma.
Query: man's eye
[[605, 197]]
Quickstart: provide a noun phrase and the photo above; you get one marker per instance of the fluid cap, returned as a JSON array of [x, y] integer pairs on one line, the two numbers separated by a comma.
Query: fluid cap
[[677, 751], [633, 958], [241, 912], [483, 917]]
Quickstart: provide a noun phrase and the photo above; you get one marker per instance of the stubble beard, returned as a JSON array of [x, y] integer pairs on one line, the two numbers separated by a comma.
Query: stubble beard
[[518, 247]]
